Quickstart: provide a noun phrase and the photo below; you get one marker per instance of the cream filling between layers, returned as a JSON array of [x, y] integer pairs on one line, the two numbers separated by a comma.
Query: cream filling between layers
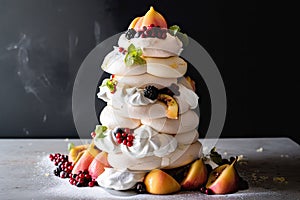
[[125, 97], [154, 47], [147, 142]]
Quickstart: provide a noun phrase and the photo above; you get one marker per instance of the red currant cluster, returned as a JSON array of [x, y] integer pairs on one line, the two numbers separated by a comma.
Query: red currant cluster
[[64, 170], [82, 179], [124, 136], [64, 167]]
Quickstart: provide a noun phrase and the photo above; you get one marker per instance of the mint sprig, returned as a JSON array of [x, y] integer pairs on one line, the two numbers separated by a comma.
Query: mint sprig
[[215, 156], [99, 130], [175, 31], [70, 146], [133, 56], [110, 84]]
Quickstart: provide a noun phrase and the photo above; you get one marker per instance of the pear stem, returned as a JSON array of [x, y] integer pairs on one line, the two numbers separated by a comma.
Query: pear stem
[[235, 160]]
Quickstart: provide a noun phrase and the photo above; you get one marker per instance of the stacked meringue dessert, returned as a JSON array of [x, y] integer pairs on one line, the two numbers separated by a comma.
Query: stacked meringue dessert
[[148, 122], [148, 138]]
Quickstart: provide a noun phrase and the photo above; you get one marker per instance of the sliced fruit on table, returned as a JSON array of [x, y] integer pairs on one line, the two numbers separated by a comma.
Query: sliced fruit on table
[[85, 160], [98, 164], [75, 151], [196, 176], [224, 179], [159, 182]]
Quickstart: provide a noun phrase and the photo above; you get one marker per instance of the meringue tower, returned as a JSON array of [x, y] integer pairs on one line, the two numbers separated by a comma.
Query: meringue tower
[[149, 121]]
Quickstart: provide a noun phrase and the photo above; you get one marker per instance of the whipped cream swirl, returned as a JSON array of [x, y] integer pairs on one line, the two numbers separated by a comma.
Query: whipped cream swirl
[[119, 179], [123, 94], [147, 142], [136, 97]]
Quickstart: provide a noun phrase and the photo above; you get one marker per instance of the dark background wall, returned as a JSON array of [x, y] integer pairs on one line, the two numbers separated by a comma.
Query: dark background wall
[[43, 42]]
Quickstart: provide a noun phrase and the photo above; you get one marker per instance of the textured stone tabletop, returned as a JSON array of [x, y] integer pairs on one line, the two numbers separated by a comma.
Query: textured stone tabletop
[[270, 165]]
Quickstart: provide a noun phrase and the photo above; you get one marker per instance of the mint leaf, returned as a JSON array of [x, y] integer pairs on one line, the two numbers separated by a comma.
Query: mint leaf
[[70, 146], [174, 29], [131, 48], [133, 56], [110, 84], [129, 61], [215, 156], [100, 131]]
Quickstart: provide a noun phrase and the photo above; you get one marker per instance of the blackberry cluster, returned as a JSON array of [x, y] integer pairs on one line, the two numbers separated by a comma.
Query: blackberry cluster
[[124, 137], [130, 33], [82, 179], [64, 167], [151, 92], [150, 31]]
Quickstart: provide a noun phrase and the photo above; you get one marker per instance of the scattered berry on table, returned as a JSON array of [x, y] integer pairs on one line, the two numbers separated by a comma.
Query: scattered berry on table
[[64, 170]]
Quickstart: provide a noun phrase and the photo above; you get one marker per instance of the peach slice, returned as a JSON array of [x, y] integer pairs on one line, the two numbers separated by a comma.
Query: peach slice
[[159, 182], [197, 176], [85, 160], [191, 82], [98, 164], [151, 17], [172, 106], [133, 23], [75, 152], [223, 179]]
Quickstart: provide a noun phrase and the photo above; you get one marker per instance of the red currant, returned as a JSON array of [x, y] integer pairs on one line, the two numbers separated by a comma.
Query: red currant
[[125, 142], [91, 183], [127, 130], [118, 135], [93, 134], [129, 144], [119, 140], [129, 137], [81, 175]]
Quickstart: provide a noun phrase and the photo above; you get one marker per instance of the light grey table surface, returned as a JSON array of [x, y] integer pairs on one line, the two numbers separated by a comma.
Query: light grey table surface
[[270, 165]]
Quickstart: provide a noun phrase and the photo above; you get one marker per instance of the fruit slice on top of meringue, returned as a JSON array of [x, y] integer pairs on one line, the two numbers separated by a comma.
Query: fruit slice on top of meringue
[[150, 32]]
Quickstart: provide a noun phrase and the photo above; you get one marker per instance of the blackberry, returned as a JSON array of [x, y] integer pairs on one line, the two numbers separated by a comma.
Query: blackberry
[[57, 172], [138, 34], [151, 92], [130, 33]]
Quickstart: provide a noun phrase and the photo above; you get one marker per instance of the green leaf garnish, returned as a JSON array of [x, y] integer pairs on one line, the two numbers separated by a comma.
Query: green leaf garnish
[[175, 31], [110, 84], [100, 131], [215, 156], [70, 146], [133, 56]]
